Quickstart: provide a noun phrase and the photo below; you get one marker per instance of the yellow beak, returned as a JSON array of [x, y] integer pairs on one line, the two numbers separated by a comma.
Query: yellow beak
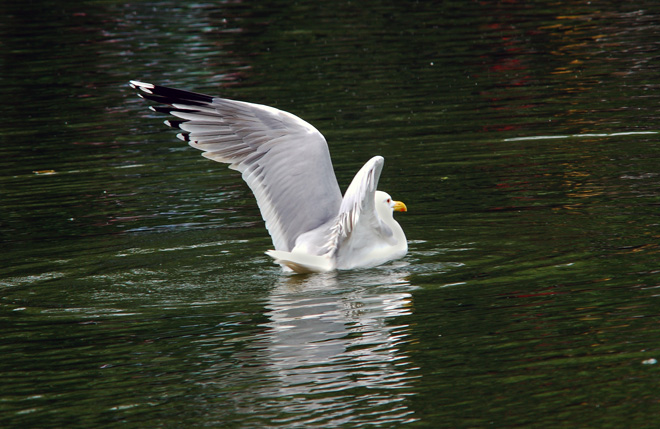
[[400, 207]]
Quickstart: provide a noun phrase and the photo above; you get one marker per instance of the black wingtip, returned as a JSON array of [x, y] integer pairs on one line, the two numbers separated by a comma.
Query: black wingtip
[[171, 100], [174, 124], [144, 86], [166, 95]]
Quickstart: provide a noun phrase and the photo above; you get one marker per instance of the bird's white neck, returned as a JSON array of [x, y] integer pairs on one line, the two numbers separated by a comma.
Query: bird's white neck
[[387, 217], [401, 245]]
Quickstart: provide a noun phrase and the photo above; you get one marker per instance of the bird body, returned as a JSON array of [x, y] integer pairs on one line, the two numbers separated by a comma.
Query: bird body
[[286, 163]]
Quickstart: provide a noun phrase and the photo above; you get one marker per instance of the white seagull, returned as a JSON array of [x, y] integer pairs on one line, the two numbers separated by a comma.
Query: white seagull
[[286, 163]]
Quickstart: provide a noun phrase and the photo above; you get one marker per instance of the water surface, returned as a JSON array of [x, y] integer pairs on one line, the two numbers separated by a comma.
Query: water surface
[[522, 137]]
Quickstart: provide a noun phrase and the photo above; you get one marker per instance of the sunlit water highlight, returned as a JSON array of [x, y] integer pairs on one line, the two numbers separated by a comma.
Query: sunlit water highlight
[[586, 135]]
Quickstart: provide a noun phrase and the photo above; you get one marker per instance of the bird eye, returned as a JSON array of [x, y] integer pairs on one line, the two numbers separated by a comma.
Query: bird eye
[[389, 200]]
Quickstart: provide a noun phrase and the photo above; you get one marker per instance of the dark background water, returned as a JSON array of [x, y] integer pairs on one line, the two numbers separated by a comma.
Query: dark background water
[[523, 136]]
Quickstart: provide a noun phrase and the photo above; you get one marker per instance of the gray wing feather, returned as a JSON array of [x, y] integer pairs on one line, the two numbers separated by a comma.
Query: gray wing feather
[[283, 159]]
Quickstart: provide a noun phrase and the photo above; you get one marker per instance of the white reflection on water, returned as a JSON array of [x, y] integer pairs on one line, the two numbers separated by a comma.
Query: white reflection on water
[[333, 346], [627, 133]]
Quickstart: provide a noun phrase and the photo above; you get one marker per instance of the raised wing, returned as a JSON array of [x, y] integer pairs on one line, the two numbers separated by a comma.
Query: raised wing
[[283, 159], [357, 218]]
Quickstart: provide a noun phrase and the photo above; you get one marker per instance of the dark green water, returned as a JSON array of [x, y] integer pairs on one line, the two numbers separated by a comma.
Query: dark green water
[[523, 136]]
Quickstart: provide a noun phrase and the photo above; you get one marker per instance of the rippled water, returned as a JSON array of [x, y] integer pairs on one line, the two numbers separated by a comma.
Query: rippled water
[[522, 136]]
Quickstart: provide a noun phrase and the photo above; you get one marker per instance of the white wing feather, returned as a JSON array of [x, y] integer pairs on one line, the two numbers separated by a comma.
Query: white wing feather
[[358, 206]]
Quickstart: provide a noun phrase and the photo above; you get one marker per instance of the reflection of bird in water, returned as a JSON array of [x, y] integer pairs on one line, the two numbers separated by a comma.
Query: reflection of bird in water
[[333, 344], [286, 163]]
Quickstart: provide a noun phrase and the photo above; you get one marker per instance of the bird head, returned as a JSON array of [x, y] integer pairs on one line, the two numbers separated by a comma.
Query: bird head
[[385, 204]]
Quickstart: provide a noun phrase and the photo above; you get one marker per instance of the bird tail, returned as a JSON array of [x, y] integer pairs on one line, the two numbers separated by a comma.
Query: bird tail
[[302, 262]]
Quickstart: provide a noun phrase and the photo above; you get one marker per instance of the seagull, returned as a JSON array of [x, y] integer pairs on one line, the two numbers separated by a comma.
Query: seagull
[[286, 163]]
